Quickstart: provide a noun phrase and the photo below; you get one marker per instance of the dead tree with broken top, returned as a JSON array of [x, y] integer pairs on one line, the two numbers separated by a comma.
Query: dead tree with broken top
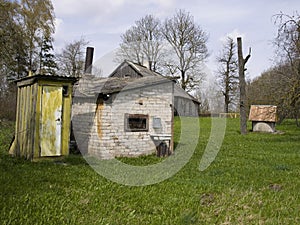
[[242, 62]]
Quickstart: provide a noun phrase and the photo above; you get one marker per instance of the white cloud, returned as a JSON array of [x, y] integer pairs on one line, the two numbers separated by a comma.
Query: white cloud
[[58, 24], [233, 34], [59, 33]]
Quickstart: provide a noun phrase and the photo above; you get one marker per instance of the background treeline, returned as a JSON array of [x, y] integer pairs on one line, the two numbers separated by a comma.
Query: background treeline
[[26, 44], [26, 29]]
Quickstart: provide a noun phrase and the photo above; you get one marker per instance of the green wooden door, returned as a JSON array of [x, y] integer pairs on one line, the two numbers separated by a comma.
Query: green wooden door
[[51, 121]]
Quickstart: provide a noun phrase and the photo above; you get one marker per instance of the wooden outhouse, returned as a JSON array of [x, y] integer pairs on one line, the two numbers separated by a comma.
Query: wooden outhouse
[[43, 116]]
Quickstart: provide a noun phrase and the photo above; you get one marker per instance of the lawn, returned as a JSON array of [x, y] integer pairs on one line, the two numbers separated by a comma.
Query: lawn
[[253, 180]]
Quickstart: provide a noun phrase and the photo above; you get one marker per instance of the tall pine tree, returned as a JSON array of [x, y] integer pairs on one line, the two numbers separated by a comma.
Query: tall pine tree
[[47, 63]]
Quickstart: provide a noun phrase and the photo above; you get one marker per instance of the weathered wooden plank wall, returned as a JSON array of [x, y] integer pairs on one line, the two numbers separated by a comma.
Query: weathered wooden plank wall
[[28, 115]]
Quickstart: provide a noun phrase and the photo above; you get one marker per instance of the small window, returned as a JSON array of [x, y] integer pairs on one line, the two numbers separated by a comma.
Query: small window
[[136, 122]]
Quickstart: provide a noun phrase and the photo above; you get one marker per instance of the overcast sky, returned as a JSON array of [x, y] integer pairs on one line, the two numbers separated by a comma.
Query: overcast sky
[[102, 22]]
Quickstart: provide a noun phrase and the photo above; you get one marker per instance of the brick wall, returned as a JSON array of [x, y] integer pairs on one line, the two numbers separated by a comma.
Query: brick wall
[[99, 128]]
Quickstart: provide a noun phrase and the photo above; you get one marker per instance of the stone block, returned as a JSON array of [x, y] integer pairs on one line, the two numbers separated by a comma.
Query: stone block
[[267, 127]]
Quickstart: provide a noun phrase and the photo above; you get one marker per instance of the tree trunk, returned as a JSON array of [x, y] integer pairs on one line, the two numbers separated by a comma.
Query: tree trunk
[[183, 82], [242, 62], [297, 117], [226, 103]]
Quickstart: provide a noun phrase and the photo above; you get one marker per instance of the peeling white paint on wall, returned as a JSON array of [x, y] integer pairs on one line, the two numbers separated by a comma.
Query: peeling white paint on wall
[[51, 121]]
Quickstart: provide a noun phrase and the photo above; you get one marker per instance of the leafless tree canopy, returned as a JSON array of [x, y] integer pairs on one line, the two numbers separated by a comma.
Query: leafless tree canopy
[[71, 60], [188, 41], [175, 48], [288, 51], [227, 76], [288, 37], [142, 43]]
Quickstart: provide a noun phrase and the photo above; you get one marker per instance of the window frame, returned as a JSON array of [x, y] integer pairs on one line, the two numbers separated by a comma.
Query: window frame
[[127, 118]]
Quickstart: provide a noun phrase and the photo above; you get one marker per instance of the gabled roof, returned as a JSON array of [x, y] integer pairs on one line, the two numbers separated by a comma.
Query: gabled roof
[[179, 92], [141, 70]]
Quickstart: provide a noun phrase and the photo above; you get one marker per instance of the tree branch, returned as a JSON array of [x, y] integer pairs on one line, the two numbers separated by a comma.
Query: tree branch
[[247, 57]]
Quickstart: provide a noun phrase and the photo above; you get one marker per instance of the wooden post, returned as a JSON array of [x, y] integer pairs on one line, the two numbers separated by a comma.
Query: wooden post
[[242, 62]]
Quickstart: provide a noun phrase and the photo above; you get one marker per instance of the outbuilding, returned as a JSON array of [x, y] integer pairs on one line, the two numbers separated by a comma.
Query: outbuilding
[[263, 117], [128, 114], [43, 116], [123, 117]]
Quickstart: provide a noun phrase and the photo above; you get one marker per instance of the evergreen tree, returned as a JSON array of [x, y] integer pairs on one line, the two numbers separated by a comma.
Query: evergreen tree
[[48, 65]]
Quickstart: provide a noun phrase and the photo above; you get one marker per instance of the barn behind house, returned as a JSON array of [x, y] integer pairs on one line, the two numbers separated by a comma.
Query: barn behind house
[[184, 103]]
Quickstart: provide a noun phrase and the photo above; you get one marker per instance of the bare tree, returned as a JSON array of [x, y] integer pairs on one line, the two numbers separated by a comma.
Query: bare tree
[[288, 46], [142, 43], [242, 83], [227, 73], [188, 41], [71, 60], [288, 38], [131, 47]]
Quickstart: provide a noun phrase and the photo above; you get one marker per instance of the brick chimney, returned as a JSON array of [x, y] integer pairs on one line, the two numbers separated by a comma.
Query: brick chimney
[[89, 60]]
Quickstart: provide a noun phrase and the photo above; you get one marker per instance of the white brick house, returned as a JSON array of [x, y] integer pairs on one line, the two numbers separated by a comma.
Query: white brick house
[[122, 115]]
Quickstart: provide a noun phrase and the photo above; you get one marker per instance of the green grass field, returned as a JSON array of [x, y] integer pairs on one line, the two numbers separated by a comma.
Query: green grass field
[[254, 180]]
